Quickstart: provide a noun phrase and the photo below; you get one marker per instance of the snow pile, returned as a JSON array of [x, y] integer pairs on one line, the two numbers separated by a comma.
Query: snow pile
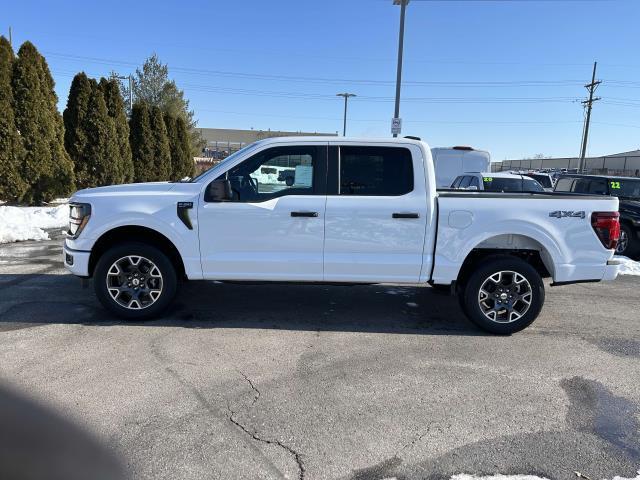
[[466, 476], [28, 223], [628, 266]]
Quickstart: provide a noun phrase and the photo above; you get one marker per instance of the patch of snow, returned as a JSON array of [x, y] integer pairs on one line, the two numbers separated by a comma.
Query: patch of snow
[[628, 266], [637, 477], [466, 476], [28, 223]]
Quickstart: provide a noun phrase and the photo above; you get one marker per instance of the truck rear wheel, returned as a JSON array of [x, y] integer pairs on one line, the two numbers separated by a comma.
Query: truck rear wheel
[[135, 281], [503, 295]]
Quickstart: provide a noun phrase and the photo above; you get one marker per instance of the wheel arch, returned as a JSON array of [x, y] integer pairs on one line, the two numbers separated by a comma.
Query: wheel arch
[[521, 246], [136, 233]]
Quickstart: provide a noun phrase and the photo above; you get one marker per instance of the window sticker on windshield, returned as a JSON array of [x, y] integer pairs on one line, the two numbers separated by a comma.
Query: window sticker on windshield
[[488, 179], [615, 185], [304, 176]]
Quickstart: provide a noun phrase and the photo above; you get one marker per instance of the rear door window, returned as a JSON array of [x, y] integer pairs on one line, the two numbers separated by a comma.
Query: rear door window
[[383, 171]]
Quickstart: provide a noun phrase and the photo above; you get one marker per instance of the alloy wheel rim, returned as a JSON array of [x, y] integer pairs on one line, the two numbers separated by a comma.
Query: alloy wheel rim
[[505, 296], [134, 282], [622, 242]]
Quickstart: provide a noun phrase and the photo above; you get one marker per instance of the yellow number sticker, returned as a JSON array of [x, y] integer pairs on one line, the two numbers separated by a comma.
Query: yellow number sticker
[[615, 185], [488, 179]]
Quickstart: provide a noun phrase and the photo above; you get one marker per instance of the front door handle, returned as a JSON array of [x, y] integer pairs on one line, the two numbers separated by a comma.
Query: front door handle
[[405, 215], [304, 214]]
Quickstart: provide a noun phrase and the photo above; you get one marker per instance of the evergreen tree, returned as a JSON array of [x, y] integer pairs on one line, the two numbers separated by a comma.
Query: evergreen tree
[[151, 84], [75, 135], [116, 110], [142, 145], [185, 165], [47, 166], [172, 136], [162, 152], [102, 149], [12, 186]]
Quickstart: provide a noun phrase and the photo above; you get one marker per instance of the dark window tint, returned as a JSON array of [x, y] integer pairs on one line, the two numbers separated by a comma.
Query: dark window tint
[[466, 180], [531, 186], [581, 185], [564, 185], [474, 182], [456, 182], [625, 188], [543, 180], [598, 186], [498, 184], [375, 171]]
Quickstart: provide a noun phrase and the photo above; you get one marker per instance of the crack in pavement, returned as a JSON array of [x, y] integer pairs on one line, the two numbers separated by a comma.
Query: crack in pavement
[[255, 436], [253, 387], [200, 398]]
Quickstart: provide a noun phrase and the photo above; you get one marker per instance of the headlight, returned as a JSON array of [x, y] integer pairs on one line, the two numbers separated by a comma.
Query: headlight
[[79, 214]]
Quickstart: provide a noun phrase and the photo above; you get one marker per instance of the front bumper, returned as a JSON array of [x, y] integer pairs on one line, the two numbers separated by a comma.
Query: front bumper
[[76, 261]]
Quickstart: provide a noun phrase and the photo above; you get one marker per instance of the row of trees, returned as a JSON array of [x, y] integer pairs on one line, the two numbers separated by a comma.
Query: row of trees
[[106, 149], [44, 154]]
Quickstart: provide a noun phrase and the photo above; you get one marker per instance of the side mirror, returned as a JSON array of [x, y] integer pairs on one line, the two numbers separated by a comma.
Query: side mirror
[[472, 187], [218, 191]]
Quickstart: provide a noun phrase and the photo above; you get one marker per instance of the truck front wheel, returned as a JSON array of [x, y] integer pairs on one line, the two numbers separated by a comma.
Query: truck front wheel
[[135, 281], [503, 295]]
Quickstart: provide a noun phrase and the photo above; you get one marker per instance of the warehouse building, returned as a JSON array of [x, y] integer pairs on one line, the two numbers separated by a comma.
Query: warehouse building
[[624, 164]]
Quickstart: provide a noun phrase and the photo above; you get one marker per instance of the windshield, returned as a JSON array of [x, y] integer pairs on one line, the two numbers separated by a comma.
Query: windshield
[[230, 158], [497, 184], [625, 188]]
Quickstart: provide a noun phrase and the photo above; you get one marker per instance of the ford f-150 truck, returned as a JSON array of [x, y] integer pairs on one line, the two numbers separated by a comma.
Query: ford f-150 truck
[[339, 210]]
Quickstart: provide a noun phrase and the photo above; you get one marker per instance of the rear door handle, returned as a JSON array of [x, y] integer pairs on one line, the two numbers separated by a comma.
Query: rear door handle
[[304, 214], [406, 215]]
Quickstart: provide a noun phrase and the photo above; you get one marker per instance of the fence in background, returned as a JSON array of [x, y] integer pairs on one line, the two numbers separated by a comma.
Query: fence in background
[[626, 166]]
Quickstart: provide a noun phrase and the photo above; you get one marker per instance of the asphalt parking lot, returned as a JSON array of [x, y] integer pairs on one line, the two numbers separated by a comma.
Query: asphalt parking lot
[[322, 382]]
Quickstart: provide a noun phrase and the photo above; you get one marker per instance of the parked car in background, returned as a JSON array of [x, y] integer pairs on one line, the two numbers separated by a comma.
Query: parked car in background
[[451, 162], [544, 179], [496, 182], [627, 189]]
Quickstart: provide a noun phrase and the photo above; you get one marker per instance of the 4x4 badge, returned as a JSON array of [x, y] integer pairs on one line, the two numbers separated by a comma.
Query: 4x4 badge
[[567, 213]]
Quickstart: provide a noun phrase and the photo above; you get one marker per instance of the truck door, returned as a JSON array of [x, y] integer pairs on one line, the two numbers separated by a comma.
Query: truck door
[[273, 228], [376, 214]]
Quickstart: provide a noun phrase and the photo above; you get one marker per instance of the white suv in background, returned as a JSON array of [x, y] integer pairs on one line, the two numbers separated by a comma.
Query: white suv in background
[[496, 182]]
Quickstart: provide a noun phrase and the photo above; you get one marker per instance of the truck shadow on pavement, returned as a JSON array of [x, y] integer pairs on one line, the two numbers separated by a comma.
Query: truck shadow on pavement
[[45, 298]]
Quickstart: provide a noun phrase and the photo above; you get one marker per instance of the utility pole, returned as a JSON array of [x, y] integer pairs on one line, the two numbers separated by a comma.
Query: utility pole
[[10, 40], [130, 77], [403, 6], [346, 97], [588, 104]]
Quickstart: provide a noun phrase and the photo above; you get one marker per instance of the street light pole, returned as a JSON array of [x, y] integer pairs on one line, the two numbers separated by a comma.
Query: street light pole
[[346, 97], [130, 78], [403, 6]]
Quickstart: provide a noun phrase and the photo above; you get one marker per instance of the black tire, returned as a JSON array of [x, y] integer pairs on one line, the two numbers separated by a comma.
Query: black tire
[[167, 287], [491, 266], [632, 247]]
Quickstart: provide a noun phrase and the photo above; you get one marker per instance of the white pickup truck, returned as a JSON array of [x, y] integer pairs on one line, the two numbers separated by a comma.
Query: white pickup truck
[[339, 210]]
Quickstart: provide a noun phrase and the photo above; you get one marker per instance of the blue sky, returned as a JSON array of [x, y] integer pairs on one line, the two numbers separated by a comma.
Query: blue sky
[[505, 76]]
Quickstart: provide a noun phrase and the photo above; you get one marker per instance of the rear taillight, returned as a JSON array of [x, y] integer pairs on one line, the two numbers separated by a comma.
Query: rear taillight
[[607, 227]]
